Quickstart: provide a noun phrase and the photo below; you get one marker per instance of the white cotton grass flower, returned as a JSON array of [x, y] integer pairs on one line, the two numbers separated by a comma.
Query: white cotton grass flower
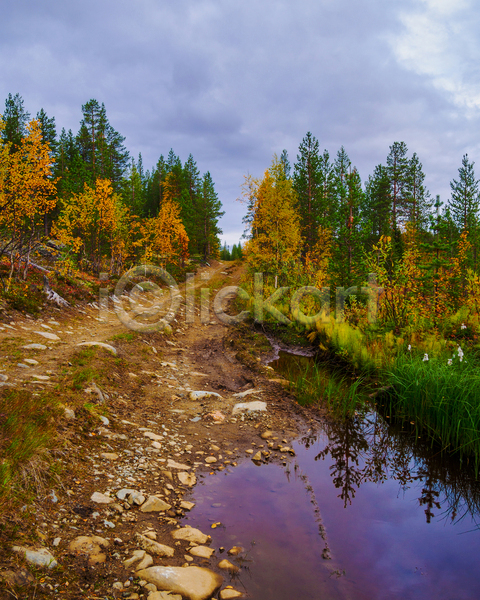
[[463, 326], [460, 353], [425, 358], [449, 361], [409, 347]]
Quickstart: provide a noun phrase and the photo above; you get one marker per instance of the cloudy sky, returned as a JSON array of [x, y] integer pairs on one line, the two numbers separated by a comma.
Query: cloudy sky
[[235, 82]]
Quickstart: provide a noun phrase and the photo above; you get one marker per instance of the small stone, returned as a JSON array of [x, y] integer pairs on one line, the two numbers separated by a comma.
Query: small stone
[[91, 546], [69, 413], [30, 361], [109, 455], [193, 583], [249, 451], [37, 556], [171, 464], [104, 420], [163, 595], [258, 456], [154, 547], [190, 534], [145, 563], [201, 551], [266, 435], [100, 498], [136, 498], [124, 492], [226, 565], [46, 334], [101, 345], [235, 551], [210, 460], [187, 479], [152, 436], [34, 347], [249, 407], [230, 594], [187, 505], [136, 556], [154, 504]]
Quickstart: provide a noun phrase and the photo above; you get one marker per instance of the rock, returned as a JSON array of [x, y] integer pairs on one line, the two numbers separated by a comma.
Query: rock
[[187, 505], [246, 393], [230, 594], [90, 545], [163, 596], [258, 456], [188, 479], [152, 436], [143, 559], [124, 492], [136, 498], [154, 504], [156, 445], [153, 547], [3, 377], [190, 534], [69, 413], [210, 460], [37, 556], [101, 345], [46, 334], [30, 361], [109, 455], [200, 395], [249, 451], [249, 407], [216, 416], [34, 347], [40, 377], [235, 551], [193, 583], [104, 420], [100, 498], [21, 577], [145, 563], [201, 551], [226, 565], [266, 435], [174, 465]]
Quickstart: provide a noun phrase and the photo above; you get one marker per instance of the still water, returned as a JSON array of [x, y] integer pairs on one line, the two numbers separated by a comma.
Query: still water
[[361, 512]]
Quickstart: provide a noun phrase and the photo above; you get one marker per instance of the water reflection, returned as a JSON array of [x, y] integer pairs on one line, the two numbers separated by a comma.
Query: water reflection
[[365, 448]]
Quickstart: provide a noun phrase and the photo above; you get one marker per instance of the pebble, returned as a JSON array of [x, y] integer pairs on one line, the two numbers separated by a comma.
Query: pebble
[[100, 498], [37, 556]]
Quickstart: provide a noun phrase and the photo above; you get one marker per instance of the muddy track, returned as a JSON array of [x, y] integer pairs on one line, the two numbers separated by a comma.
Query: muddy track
[[148, 424]]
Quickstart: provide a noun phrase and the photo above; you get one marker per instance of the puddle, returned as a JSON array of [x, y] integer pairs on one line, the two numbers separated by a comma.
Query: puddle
[[400, 522]]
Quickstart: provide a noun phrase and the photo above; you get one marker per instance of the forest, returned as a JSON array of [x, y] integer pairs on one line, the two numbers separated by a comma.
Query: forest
[[93, 201], [317, 225]]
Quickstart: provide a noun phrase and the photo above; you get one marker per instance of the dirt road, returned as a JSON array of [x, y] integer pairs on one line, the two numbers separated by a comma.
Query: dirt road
[[133, 440]]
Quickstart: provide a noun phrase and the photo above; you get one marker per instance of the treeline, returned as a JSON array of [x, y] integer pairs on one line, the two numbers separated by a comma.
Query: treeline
[[86, 191], [236, 253], [316, 223]]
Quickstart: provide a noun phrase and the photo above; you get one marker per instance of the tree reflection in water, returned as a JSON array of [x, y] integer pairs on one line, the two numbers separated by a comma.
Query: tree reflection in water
[[365, 448]]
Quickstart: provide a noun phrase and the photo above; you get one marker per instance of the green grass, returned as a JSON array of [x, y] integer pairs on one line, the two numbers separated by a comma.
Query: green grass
[[441, 399]]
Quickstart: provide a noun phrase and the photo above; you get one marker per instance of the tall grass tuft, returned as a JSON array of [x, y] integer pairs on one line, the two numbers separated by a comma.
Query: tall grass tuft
[[327, 389], [442, 396], [27, 429]]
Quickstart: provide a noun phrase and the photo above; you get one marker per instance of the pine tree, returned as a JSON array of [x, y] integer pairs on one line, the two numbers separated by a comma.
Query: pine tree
[[209, 211], [397, 171], [101, 147], [418, 203], [285, 163], [464, 203], [307, 183], [15, 119]]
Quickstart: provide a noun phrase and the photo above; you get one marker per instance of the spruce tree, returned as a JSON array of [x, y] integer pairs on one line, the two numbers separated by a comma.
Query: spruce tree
[[15, 118]]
